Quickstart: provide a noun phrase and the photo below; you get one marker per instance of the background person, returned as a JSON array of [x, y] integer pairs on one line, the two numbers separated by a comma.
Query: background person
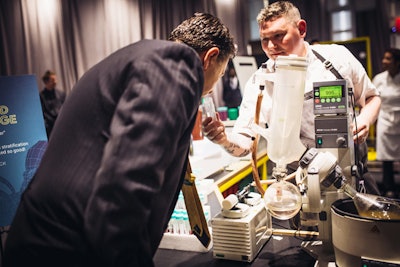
[[232, 95], [388, 124], [111, 174], [282, 32], [51, 100]]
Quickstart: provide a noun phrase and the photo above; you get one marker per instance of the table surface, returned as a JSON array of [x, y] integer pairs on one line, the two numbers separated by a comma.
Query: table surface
[[279, 251]]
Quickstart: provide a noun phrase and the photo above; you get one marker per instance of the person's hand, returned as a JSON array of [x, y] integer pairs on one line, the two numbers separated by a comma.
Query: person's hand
[[361, 132], [214, 130]]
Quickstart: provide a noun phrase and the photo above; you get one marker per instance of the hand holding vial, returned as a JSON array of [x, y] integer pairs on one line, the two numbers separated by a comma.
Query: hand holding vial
[[208, 107], [213, 127]]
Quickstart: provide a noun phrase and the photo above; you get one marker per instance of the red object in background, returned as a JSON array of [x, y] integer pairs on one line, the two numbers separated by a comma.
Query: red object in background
[[197, 133], [397, 24]]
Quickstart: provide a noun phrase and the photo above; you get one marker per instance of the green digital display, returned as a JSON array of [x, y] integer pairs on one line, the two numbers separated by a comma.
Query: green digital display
[[333, 91]]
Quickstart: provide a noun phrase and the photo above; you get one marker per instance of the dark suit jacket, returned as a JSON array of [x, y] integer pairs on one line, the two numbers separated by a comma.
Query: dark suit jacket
[[51, 102], [115, 162]]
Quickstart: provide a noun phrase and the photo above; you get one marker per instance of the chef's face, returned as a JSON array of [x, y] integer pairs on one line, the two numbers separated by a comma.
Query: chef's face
[[388, 62], [281, 37]]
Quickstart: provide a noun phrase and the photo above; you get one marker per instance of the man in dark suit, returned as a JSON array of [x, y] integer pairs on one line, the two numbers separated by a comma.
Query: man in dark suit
[[109, 179], [51, 100]]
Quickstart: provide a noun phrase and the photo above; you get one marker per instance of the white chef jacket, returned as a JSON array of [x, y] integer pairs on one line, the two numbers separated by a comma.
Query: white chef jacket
[[341, 58], [388, 123]]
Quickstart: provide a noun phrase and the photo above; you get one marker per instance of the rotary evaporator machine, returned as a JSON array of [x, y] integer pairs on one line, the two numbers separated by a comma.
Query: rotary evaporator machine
[[344, 237]]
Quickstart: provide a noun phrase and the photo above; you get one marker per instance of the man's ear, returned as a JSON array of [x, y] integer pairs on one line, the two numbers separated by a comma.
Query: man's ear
[[209, 55], [302, 26]]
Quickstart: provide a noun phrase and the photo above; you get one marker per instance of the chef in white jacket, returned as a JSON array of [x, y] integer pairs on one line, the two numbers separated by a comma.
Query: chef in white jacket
[[388, 124]]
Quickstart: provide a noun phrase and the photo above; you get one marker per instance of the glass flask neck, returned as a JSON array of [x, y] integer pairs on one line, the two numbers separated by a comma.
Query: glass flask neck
[[349, 190], [279, 172]]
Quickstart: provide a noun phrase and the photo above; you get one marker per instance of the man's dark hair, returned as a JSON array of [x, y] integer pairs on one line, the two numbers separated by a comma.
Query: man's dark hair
[[203, 31], [46, 76]]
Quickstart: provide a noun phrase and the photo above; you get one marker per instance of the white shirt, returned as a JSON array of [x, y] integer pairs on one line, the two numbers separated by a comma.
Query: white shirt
[[388, 123], [344, 62]]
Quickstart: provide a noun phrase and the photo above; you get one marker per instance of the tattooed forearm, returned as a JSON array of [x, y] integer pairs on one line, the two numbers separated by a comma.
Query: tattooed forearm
[[236, 150]]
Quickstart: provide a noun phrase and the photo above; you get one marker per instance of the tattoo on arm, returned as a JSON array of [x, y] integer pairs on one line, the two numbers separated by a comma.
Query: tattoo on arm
[[236, 150]]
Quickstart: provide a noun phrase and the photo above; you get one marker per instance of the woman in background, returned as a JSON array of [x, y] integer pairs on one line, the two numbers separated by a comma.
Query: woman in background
[[232, 95], [388, 123]]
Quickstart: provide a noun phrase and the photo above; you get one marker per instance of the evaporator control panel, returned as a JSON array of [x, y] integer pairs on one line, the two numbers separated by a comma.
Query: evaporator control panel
[[332, 116], [330, 97]]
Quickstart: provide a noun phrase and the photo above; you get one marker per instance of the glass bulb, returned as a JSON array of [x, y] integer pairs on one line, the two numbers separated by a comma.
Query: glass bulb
[[283, 200]]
